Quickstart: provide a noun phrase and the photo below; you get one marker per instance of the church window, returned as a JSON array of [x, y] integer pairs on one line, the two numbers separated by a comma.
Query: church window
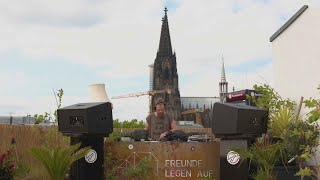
[[166, 73], [166, 97]]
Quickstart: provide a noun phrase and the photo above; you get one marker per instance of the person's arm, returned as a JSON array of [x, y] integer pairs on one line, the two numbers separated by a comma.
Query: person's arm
[[146, 126], [164, 134], [173, 125]]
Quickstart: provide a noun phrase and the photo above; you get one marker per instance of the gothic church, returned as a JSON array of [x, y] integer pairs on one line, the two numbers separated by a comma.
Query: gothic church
[[164, 75], [165, 72]]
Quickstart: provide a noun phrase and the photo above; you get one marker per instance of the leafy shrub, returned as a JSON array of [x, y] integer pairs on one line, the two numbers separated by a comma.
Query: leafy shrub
[[57, 161], [11, 165], [7, 165]]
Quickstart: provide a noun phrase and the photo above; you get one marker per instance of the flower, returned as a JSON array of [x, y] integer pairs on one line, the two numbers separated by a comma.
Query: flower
[[7, 165]]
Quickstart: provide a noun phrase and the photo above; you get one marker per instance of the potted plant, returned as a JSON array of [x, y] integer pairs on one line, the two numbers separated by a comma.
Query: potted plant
[[264, 157], [300, 136], [301, 139]]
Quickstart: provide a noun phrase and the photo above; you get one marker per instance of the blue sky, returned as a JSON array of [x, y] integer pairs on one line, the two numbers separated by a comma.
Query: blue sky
[[70, 45]]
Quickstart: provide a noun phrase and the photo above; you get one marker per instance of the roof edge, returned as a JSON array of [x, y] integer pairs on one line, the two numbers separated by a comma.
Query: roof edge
[[288, 23]]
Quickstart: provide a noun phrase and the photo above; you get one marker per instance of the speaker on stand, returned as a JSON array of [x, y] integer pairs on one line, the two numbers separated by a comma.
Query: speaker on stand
[[237, 125]]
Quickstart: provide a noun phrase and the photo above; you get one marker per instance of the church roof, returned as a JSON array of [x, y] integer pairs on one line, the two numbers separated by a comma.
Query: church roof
[[165, 48], [198, 102]]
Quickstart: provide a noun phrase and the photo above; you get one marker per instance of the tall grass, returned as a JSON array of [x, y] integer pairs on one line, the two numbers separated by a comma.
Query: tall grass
[[27, 137]]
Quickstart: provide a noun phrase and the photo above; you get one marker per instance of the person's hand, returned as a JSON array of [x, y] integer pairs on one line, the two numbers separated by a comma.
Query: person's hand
[[164, 134]]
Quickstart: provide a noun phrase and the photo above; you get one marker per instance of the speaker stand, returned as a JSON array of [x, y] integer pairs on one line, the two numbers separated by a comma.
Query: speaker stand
[[92, 166]]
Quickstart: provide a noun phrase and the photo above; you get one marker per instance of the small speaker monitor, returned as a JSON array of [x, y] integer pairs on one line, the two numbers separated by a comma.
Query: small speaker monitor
[[238, 119], [86, 118]]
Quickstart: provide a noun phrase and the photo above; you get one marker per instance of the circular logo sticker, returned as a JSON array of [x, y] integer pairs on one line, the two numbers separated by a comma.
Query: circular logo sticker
[[252, 94], [130, 146], [233, 157], [91, 156]]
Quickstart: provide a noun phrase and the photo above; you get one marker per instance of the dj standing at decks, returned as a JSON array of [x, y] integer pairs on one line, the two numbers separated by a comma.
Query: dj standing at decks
[[160, 122]]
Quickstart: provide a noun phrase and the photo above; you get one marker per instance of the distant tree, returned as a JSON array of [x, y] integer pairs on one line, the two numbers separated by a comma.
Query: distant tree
[[116, 123], [41, 117], [134, 123], [47, 116]]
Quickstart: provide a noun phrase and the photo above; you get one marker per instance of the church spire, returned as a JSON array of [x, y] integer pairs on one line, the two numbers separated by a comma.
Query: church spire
[[223, 85], [165, 48], [223, 73]]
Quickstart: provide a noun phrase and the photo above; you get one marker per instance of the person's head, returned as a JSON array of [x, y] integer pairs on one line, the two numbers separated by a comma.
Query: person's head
[[160, 107]]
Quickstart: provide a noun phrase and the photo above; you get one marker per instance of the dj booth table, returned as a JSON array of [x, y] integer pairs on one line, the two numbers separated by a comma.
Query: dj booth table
[[174, 160]]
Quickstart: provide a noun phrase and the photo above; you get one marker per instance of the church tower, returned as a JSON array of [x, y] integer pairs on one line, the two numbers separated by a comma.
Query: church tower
[[165, 75], [223, 85]]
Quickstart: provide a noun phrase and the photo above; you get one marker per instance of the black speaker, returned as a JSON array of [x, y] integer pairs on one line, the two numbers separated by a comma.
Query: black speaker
[[91, 166], [86, 118], [238, 120]]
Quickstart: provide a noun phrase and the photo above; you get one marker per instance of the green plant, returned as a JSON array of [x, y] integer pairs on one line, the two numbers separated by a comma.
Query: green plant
[[304, 172], [57, 161], [59, 94], [314, 105], [140, 171], [110, 164], [114, 136], [113, 158], [264, 157], [50, 137], [270, 99], [280, 120], [301, 137], [7, 165], [11, 165], [47, 116]]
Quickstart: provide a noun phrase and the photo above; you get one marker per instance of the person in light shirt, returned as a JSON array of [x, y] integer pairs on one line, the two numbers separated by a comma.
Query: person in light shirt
[[159, 123]]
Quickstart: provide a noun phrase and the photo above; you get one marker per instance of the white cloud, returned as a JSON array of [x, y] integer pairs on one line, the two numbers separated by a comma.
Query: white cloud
[[208, 84], [130, 108], [259, 76], [18, 84], [34, 105]]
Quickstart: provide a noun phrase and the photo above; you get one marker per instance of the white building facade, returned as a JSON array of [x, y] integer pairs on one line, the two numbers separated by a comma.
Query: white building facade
[[296, 58], [296, 55]]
